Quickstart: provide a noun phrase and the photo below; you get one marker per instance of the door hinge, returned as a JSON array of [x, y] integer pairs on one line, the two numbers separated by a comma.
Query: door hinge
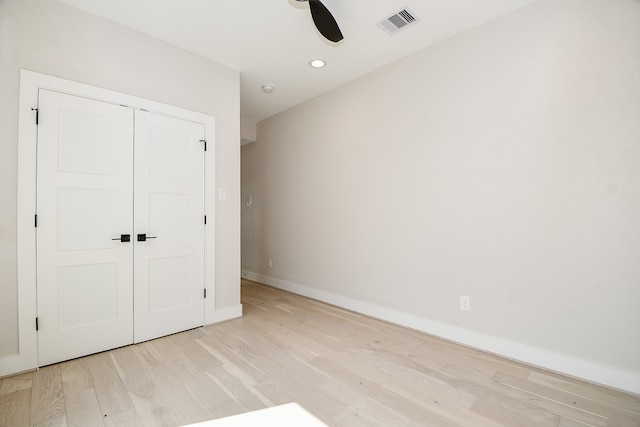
[[205, 144], [205, 220], [205, 293], [35, 221], [37, 110], [37, 324]]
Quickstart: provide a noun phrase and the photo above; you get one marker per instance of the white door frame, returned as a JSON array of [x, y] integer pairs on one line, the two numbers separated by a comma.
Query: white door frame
[[30, 83]]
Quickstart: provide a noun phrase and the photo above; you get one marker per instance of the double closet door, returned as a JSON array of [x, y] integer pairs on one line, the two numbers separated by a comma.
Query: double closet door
[[120, 226]]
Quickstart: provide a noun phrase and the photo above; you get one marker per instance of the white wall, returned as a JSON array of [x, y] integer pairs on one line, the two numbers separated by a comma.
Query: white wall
[[51, 38], [502, 164]]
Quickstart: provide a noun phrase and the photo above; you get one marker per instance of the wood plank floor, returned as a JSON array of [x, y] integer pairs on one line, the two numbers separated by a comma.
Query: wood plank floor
[[345, 368]]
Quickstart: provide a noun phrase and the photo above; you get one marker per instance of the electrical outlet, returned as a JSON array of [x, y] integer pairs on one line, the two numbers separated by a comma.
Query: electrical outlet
[[269, 263], [465, 303]]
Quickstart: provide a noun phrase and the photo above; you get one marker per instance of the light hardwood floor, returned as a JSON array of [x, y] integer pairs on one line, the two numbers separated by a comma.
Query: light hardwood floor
[[345, 368]]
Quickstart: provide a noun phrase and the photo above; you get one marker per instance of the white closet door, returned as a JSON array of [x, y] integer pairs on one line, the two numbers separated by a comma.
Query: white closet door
[[169, 210], [84, 201]]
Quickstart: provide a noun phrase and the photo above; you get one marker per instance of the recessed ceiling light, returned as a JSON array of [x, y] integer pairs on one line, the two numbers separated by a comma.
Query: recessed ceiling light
[[317, 63], [268, 88]]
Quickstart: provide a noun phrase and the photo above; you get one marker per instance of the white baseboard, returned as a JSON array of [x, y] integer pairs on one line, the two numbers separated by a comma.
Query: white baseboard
[[224, 314], [562, 363]]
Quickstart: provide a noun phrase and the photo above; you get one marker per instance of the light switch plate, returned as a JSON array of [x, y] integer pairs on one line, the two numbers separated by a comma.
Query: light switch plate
[[465, 303]]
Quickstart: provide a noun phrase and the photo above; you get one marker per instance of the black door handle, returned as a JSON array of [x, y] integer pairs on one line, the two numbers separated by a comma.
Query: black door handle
[[144, 237], [124, 238]]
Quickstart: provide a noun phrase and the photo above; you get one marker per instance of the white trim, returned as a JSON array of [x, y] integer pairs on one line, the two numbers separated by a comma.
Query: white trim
[[30, 83], [562, 363], [210, 212], [224, 314], [26, 359]]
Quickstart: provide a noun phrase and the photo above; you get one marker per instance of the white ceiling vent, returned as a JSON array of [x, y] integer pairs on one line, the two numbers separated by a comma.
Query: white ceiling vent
[[398, 21]]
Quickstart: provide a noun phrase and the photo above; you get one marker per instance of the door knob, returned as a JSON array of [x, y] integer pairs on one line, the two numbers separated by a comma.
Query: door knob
[[124, 238], [144, 237]]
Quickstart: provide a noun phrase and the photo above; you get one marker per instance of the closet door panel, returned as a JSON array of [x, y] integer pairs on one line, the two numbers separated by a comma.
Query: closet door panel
[[84, 201], [169, 211]]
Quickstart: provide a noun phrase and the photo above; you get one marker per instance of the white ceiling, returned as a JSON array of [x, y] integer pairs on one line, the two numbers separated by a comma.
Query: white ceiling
[[272, 41]]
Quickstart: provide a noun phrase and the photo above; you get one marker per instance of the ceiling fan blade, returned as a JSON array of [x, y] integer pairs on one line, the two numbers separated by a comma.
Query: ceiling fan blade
[[325, 23]]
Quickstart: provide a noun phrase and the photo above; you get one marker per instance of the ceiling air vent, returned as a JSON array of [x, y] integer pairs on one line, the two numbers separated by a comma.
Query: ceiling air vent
[[398, 21]]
